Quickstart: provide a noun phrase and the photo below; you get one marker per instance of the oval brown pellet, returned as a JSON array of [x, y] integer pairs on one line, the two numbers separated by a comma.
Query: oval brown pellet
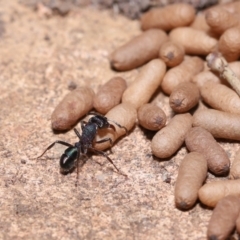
[[229, 44], [184, 72], [191, 175], [220, 97], [210, 193], [73, 106], [169, 17], [219, 124], [171, 53], [109, 95], [138, 50], [194, 41], [201, 78], [184, 97], [145, 84], [223, 219], [151, 117], [200, 140], [220, 19], [169, 139]]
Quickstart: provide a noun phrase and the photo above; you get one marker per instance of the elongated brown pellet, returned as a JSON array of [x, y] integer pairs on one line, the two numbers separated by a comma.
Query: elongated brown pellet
[[194, 41], [73, 106], [191, 174], [138, 50], [109, 95], [171, 53], [145, 84], [151, 117], [220, 97], [183, 72], [210, 193], [220, 124], [201, 78], [184, 97], [169, 139], [228, 44], [220, 19], [169, 17], [224, 218], [200, 140]]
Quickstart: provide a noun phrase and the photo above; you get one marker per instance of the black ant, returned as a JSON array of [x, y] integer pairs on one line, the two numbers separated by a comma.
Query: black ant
[[70, 158]]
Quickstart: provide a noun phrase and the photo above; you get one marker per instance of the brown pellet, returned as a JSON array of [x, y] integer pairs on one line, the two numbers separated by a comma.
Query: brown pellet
[[145, 84], [171, 53], [220, 19], [151, 117], [201, 78], [210, 193], [229, 44], [200, 140], [224, 218], [184, 72], [138, 50], [184, 97], [220, 97], [191, 175], [73, 106], [220, 124], [109, 95], [194, 41], [169, 17], [169, 139]]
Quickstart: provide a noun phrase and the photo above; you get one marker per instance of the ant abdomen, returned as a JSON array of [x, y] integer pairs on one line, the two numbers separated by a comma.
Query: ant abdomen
[[67, 160]]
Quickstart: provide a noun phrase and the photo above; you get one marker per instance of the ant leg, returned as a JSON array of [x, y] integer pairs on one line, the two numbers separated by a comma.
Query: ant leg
[[83, 123], [95, 113], [50, 146], [108, 158], [78, 158], [105, 140], [120, 126], [77, 133]]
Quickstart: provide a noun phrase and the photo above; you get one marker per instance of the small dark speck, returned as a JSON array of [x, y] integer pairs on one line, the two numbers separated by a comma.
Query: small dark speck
[[158, 120], [178, 102], [46, 38], [23, 161], [148, 155], [167, 180], [72, 85], [170, 56]]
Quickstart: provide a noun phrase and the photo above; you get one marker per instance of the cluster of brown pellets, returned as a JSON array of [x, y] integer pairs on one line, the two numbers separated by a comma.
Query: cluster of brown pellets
[[171, 52]]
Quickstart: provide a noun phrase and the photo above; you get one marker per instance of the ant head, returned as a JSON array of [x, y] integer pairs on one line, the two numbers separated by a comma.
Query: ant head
[[101, 121]]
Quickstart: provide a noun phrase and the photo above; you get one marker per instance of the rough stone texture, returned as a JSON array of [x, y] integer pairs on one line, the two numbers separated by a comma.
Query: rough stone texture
[[40, 60], [130, 8]]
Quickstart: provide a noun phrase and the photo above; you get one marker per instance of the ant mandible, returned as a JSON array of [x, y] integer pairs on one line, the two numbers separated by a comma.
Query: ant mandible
[[70, 158]]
